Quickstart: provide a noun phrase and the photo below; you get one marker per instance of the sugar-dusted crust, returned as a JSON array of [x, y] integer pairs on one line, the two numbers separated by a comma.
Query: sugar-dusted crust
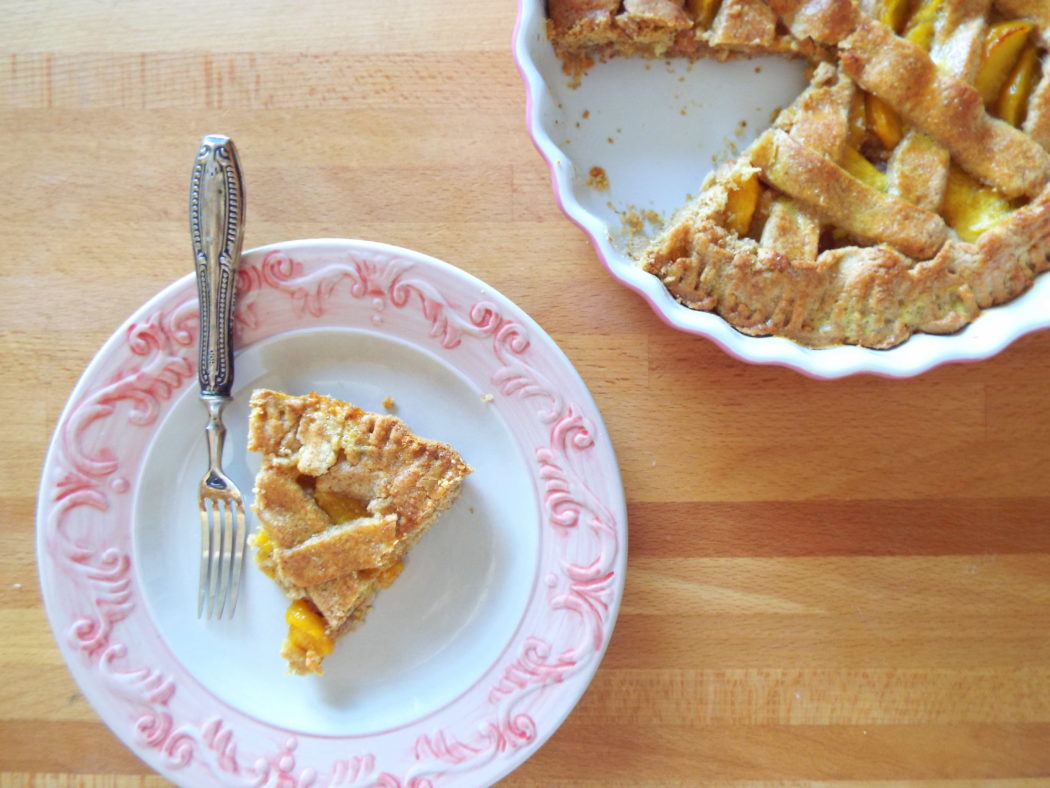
[[586, 30], [856, 241], [872, 296], [945, 107], [342, 495], [816, 181]]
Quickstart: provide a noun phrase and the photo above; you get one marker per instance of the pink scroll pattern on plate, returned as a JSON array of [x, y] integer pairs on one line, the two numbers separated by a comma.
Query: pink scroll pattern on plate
[[568, 502], [158, 359], [380, 278], [158, 362]]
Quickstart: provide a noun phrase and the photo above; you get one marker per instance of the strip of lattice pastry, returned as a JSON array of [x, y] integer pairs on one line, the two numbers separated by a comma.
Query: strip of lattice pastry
[[931, 206]]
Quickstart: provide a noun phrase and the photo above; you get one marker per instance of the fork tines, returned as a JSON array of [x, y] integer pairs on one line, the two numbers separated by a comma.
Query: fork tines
[[223, 537]]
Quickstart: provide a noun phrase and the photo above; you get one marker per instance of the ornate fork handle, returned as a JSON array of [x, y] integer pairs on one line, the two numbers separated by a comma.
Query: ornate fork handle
[[216, 230]]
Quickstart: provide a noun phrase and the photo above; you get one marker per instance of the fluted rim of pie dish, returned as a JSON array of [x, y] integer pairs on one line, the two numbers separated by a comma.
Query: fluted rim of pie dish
[[992, 331]]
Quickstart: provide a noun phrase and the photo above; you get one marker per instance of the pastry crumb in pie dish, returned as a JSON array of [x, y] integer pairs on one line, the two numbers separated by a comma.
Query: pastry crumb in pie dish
[[904, 192], [341, 495]]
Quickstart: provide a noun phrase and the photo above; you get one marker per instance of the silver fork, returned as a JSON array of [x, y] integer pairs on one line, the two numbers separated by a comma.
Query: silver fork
[[216, 230]]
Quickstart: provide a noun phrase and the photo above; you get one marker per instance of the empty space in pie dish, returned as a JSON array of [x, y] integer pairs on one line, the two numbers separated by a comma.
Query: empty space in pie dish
[[429, 636], [654, 129]]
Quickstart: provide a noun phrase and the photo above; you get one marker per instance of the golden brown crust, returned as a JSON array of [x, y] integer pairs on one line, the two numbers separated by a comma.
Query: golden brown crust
[[1037, 122], [792, 230], [828, 21], [742, 25], [868, 296], [660, 12], [825, 188], [1013, 253], [342, 495], [570, 15], [819, 118], [292, 515], [872, 296], [946, 108], [958, 41], [339, 598], [918, 171], [583, 31], [367, 543]]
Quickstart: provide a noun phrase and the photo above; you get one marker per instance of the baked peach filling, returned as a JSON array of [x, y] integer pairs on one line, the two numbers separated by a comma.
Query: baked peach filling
[[306, 628], [389, 574], [341, 508], [1008, 73], [263, 551]]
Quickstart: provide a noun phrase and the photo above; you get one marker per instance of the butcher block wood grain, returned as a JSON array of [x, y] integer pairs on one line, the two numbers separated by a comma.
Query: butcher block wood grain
[[828, 582]]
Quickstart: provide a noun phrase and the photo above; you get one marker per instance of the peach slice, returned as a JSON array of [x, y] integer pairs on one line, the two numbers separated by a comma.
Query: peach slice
[[1013, 100], [883, 122], [970, 207], [741, 204], [1002, 48], [862, 169]]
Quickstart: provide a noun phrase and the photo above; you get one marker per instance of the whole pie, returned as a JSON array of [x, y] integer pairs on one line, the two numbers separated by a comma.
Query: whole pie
[[905, 190], [341, 496]]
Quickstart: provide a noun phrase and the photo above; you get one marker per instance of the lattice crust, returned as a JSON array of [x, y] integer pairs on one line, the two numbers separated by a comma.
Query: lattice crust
[[342, 495], [905, 190]]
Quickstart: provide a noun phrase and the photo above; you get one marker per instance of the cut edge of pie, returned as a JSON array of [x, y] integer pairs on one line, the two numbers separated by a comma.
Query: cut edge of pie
[[341, 495], [905, 190], [585, 31]]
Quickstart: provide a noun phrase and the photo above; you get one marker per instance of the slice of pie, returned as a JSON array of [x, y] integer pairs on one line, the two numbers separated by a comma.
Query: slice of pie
[[341, 496], [906, 190]]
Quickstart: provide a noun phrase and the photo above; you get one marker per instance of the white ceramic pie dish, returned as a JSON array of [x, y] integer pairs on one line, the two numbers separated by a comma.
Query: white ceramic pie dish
[[655, 129]]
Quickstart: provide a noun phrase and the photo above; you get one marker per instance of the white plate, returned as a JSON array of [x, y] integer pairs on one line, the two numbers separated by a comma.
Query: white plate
[[657, 128], [468, 663]]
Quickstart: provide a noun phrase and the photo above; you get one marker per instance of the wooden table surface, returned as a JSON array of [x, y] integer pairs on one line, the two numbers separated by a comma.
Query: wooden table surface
[[827, 581]]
